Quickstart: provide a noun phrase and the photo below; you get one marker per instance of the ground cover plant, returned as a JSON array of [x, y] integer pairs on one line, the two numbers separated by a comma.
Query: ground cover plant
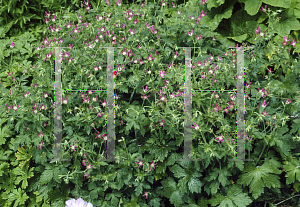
[[149, 104]]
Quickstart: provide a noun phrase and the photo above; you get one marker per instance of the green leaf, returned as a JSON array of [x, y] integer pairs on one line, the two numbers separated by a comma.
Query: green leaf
[[139, 189], [4, 132], [259, 177], [278, 3], [24, 175], [240, 164], [18, 197], [17, 126], [262, 18], [178, 171], [155, 202], [214, 3], [214, 186], [295, 7], [295, 126], [194, 185], [46, 177], [213, 23], [176, 199], [235, 198], [284, 27], [252, 6], [292, 170], [240, 38]]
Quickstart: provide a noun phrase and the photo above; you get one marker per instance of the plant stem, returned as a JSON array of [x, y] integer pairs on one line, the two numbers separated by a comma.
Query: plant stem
[[260, 154]]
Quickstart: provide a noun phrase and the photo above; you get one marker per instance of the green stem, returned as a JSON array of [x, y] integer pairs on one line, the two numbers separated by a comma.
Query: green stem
[[260, 154]]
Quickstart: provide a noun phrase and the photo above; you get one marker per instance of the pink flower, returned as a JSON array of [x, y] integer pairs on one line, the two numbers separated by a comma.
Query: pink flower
[[105, 137], [293, 43], [263, 93], [86, 175], [95, 98], [190, 33], [48, 15], [214, 80], [233, 97], [226, 109], [256, 30], [164, 3], [175, 56], [285, 39], [216, 108], [93, 125], [89, 166], [139, 162], [145, 97], [119, 3], [10, 73], [196, 126], [73, 147], [202, 15], [211, 71], [103, 103], [69, 24], [46, 21], [27, 128], [149, 58], [35, 110], [132, 32], [87, 100], [146, 194], [264, 105], [216, 95], [199, 38], [163, 98], [162, 74], [145, 90], [220, 138], [41, 134], [98, 135], [203, 2], [148, 71], [152, 165], [248, 86], [100, 114], [87, 8], [45, 95], [76, 30], [232, 140], [270, 71], [121, 122], [262, 33], [263, 9], [16, 107], [65, 101], [161, 124], [40, 144], [170, 66], [287, 101], [265, 113]]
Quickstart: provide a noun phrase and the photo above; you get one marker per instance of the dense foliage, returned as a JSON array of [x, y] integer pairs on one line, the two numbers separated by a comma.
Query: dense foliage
[[149, 92]]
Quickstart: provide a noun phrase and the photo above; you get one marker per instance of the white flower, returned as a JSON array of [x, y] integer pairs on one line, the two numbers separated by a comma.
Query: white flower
[[78, 203]]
